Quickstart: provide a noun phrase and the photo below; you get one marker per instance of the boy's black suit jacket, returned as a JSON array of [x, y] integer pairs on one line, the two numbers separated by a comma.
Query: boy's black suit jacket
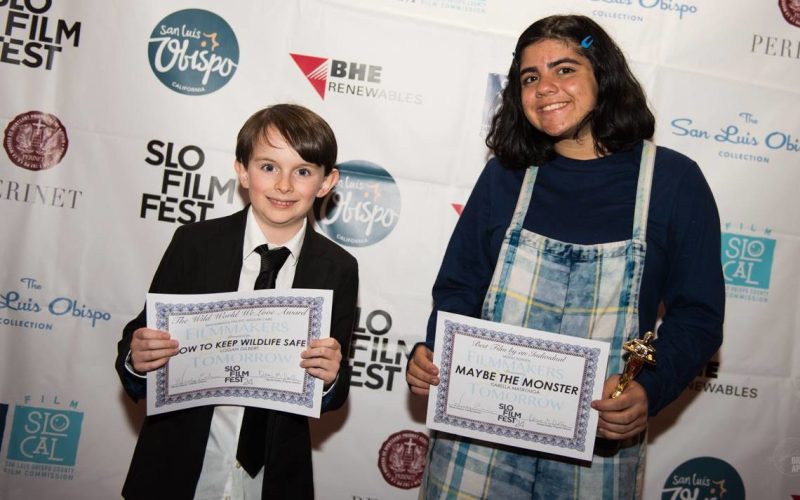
[[206, 257]]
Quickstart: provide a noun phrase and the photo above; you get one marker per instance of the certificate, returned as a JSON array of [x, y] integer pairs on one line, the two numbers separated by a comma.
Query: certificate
[[516, 386], [240, 348]]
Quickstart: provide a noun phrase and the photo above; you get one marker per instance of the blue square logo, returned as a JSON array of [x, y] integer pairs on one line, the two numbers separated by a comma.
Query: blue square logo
[[45, 435], [747, 260]]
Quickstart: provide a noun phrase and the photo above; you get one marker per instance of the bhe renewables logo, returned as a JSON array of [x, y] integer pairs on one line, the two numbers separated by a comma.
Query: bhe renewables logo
[[335, 76]]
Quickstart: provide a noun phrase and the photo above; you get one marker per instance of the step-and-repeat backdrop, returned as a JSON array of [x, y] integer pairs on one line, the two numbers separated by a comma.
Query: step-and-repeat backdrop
[[119, 122]]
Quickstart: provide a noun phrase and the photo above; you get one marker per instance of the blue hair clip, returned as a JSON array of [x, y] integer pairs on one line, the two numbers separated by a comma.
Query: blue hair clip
[[587, 42]]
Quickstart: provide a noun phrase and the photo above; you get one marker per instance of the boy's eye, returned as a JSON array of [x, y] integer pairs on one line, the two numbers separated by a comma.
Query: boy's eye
[[564, 70], [268, 167], [303, 172]]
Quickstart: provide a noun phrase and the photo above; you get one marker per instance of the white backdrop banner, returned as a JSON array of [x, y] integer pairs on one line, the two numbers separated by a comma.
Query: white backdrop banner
[[119, 123]]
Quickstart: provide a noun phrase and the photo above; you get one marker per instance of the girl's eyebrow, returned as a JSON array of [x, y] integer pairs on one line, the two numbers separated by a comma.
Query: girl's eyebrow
[[550, 65]]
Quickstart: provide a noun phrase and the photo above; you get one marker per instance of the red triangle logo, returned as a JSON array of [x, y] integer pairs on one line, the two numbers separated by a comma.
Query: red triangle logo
[[457, 207], [315, 69]]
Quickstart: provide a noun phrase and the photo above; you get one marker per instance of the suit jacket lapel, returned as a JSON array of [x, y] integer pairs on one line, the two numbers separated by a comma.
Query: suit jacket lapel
[[310, 268], [230, 245]]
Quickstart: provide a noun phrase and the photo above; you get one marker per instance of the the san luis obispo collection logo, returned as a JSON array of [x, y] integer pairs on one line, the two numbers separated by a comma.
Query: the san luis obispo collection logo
[[193, 52], [35, 140], [743, 138], [23, 307]]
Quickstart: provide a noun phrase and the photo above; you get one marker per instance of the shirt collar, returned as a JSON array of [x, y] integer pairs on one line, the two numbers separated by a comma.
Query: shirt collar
[[253, 238]]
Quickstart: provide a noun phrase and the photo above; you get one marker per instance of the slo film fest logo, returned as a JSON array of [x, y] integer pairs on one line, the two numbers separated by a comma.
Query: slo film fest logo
[[364, 207], [185, 195], [37, 141], [43, 442], [193, 52], [747, 261], [742, 139], [402, 459], [30, 37], [350, 78], [704, 477], [23, 309], [376, 360], [633, 8]]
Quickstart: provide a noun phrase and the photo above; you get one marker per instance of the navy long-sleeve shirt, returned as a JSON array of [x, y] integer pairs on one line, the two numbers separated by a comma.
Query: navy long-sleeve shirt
[[590, 202]]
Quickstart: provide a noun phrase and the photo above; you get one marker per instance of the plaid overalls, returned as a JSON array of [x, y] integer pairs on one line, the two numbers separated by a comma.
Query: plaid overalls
[[589, 291]]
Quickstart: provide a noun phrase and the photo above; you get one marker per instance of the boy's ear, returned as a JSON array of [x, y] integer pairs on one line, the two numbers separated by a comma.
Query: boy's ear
[[328, 183], [241, 173]]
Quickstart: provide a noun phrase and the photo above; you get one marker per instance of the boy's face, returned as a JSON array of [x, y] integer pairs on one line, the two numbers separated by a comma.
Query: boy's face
[[282, 186]]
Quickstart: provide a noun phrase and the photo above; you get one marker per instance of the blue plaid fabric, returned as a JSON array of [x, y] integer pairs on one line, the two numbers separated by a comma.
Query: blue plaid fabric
[[589, 291]]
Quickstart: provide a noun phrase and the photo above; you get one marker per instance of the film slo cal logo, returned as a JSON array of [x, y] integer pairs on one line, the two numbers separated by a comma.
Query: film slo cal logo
[[364, 207], [43, 441], [747, 263], [193, 52]]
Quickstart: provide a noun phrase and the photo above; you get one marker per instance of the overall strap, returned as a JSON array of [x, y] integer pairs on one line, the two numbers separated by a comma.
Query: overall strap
[[643, 189], [495, 297], [525, 194]]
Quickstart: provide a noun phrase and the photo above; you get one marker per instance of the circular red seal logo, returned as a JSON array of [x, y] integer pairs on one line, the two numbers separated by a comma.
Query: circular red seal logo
[[791, 11], [402, 459], [35, 140]]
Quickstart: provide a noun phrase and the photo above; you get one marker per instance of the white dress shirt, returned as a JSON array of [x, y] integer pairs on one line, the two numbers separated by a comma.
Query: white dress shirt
[[222, 478]]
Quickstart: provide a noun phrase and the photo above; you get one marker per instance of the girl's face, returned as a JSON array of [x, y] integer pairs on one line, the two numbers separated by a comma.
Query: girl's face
[[558, 91]]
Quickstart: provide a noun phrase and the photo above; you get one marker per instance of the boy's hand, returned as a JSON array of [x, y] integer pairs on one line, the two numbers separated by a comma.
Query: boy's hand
[[322, 358], [625, 416], [151, 349], [421, 372]]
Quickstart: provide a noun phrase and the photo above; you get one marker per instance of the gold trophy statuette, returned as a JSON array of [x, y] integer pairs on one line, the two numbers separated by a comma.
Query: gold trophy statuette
[[640, 351]]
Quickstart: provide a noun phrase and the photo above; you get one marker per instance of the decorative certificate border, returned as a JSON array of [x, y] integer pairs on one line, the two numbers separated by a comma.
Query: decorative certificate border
[[590, 356], [304, 398]]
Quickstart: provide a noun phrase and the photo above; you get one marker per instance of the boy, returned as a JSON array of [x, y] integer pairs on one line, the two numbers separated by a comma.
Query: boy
[[285, 158]]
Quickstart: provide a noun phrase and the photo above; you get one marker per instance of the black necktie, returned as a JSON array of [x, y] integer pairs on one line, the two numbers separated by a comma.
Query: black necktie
[[251, 452]]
